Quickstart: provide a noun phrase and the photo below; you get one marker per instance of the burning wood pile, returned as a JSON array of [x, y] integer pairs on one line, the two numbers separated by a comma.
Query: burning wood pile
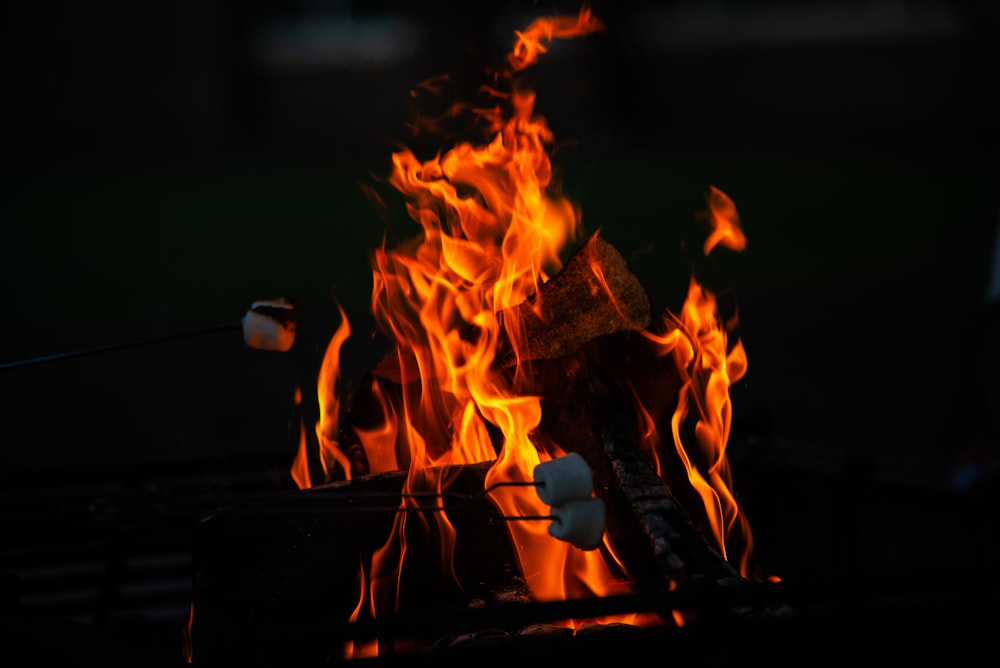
[[536, 436]]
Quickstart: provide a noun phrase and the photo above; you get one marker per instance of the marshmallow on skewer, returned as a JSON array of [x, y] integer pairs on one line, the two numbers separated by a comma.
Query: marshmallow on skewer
[[580, 522], [270, 325], [563, 479]]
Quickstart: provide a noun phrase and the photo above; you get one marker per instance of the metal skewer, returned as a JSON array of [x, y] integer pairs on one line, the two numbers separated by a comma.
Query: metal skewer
[[265, 326], [112, 347]]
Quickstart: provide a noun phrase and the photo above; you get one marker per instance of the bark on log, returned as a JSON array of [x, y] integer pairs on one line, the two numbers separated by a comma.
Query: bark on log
[[588, 407], [594, 294]]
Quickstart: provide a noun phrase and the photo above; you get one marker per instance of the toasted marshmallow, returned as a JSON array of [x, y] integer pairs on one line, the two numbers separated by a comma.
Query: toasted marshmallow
[[580, 522], [270, 325], [563, 479]]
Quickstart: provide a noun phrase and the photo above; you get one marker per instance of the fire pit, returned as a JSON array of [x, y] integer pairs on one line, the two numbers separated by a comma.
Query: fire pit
[[524, 359]]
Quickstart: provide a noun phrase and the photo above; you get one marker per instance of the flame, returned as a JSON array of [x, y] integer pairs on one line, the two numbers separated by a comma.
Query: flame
[[328, 424], [187, 646], [529, 44], [724, 221], [300, 465], [708, 370], [492, 231], [360, 649], [379, 442], [708, 364]]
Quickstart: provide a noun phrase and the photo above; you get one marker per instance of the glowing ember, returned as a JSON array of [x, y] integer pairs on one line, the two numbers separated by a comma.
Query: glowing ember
[[492, 232]]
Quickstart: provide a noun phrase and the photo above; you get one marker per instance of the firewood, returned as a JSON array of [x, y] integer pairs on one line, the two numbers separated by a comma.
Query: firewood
[[587, 408], [593, 295]]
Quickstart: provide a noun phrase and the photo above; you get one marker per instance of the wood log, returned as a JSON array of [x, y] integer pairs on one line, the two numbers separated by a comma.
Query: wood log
[[594, 294], [270, 573], [588, 408]]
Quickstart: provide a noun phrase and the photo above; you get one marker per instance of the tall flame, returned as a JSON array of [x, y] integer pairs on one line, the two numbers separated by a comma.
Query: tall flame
[[300, 465], [708, 364], [328, 424], [492, 231]]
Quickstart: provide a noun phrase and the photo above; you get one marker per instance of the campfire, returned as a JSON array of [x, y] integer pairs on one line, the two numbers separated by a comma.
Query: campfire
[[539, 452]]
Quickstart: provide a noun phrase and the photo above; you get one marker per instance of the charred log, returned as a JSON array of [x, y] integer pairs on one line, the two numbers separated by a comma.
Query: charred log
[[593, 296], [587, 409]]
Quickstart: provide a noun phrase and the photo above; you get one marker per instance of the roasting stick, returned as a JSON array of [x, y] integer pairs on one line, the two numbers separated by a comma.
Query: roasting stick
[[580, 522], [111, 347], [564, 483], [577, 518], [557, 482], [267, 325]]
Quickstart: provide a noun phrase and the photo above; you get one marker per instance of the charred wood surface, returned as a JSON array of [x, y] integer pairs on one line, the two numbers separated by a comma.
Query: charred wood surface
[[594, 294], [589, 408]]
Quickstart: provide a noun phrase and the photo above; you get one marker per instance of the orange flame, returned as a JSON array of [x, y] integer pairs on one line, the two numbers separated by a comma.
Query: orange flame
[[379, 442], [361, 649], [708, 370], [708, 364], [529, 44], [300, 465], [328, 424], [187, 646], [724, 221], [492, 230]]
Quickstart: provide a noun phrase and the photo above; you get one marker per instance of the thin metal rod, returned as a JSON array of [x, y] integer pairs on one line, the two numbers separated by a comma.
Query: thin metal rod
[[318, 504], [111, 347], [378, 510]]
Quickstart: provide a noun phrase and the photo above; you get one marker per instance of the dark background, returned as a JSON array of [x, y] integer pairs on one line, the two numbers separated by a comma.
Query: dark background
[[164, 167]]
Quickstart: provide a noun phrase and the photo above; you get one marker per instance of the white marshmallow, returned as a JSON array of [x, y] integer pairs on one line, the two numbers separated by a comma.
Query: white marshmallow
[[264, 332], [563, 479], [580, 522]]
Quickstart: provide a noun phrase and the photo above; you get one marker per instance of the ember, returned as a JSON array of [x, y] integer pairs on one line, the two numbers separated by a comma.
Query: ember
[[519, 343]]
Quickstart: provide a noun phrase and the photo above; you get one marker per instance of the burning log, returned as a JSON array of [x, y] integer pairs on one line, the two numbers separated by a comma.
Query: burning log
[[492, 367], [585, 355], [287, 567], [594, 294], [588, 356], [658, 539]]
